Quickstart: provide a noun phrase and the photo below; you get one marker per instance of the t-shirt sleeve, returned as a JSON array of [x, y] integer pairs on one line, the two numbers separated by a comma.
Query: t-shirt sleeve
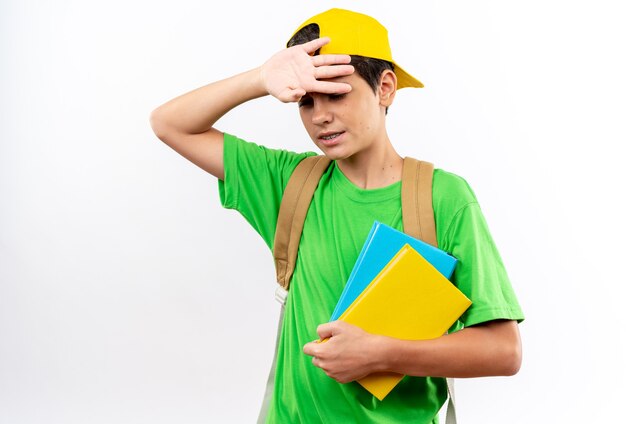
[[480, 273], [255, 178]]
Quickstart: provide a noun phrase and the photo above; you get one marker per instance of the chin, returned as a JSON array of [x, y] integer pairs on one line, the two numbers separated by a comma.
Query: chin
[[334, 153]]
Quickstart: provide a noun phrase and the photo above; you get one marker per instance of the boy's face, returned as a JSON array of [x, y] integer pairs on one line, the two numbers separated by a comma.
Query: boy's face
[[345, 124]]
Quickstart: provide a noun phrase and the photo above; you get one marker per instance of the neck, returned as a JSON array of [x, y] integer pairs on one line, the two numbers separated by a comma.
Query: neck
[[378, 166]]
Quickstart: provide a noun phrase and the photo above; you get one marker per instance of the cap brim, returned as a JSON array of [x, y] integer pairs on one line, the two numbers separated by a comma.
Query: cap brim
[[405, 79]]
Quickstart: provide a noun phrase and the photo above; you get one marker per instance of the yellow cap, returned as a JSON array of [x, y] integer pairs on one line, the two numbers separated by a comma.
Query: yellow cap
[[357, 34]]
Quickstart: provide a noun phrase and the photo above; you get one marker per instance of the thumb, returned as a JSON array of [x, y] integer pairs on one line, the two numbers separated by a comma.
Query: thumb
[[327, 330], [296, 94]]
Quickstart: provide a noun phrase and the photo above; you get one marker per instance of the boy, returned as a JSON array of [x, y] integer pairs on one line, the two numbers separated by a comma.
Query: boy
[[343, 95]]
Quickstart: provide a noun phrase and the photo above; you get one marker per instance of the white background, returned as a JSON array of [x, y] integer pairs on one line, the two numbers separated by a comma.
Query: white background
[[128, 295]]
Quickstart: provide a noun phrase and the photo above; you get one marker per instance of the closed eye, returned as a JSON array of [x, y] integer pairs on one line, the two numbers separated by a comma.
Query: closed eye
[[308, 100]]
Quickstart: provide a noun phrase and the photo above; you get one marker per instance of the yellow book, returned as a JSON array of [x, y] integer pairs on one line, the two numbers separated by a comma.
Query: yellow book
[[409, 299]]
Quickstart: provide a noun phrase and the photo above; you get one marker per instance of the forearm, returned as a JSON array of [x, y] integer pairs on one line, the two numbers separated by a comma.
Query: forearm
[[197, 111], [487, 350], [287, 75]]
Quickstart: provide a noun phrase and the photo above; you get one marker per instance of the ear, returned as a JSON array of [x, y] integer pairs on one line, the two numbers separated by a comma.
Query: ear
[[387, 87]]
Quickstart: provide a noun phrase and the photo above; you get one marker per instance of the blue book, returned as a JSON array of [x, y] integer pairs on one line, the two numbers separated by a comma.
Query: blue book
[[382, 243]]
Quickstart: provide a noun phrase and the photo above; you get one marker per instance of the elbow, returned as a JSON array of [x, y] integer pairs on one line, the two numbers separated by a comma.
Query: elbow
[[507, 349], [158, 125], [511, 359]]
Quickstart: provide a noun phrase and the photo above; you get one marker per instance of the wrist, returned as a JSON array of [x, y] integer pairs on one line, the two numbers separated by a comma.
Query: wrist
[[382, 354], [258, 81], [401, 356]]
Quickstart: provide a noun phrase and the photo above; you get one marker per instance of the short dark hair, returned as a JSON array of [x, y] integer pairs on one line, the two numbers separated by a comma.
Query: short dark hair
[[368, 68]]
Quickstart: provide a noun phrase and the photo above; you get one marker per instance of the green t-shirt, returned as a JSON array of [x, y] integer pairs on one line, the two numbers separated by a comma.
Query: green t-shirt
[[337, 224]]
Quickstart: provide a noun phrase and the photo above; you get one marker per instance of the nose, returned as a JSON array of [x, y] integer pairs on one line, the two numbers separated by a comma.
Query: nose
[[321, 112]]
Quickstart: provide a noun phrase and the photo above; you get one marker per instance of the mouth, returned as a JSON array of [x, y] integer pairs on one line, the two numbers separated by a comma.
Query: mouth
[[330, 138]]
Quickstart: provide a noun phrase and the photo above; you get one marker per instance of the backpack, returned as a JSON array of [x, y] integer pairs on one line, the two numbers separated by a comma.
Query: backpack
[[417, 217]]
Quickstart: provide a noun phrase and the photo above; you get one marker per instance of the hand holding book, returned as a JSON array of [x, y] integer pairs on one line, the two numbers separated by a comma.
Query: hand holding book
[[344, 352], [408, 299]]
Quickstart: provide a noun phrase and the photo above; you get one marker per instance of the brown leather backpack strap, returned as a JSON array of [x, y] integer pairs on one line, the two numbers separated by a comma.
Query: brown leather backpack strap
[[293, 209], [418, 217]]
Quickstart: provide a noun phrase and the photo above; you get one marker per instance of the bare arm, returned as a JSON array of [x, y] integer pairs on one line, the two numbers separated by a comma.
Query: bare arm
[[489, 349], [186, 122]]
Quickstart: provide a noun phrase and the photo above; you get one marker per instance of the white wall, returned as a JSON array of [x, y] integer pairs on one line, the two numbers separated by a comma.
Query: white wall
[[121, 296]]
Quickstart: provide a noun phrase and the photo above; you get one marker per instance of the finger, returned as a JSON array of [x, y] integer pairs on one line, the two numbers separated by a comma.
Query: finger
[[326, 330], [296, 95], [291, 95], [310, 348], [316, 361], [314, 45], [330, 59], [327, 87], [334, 71]]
